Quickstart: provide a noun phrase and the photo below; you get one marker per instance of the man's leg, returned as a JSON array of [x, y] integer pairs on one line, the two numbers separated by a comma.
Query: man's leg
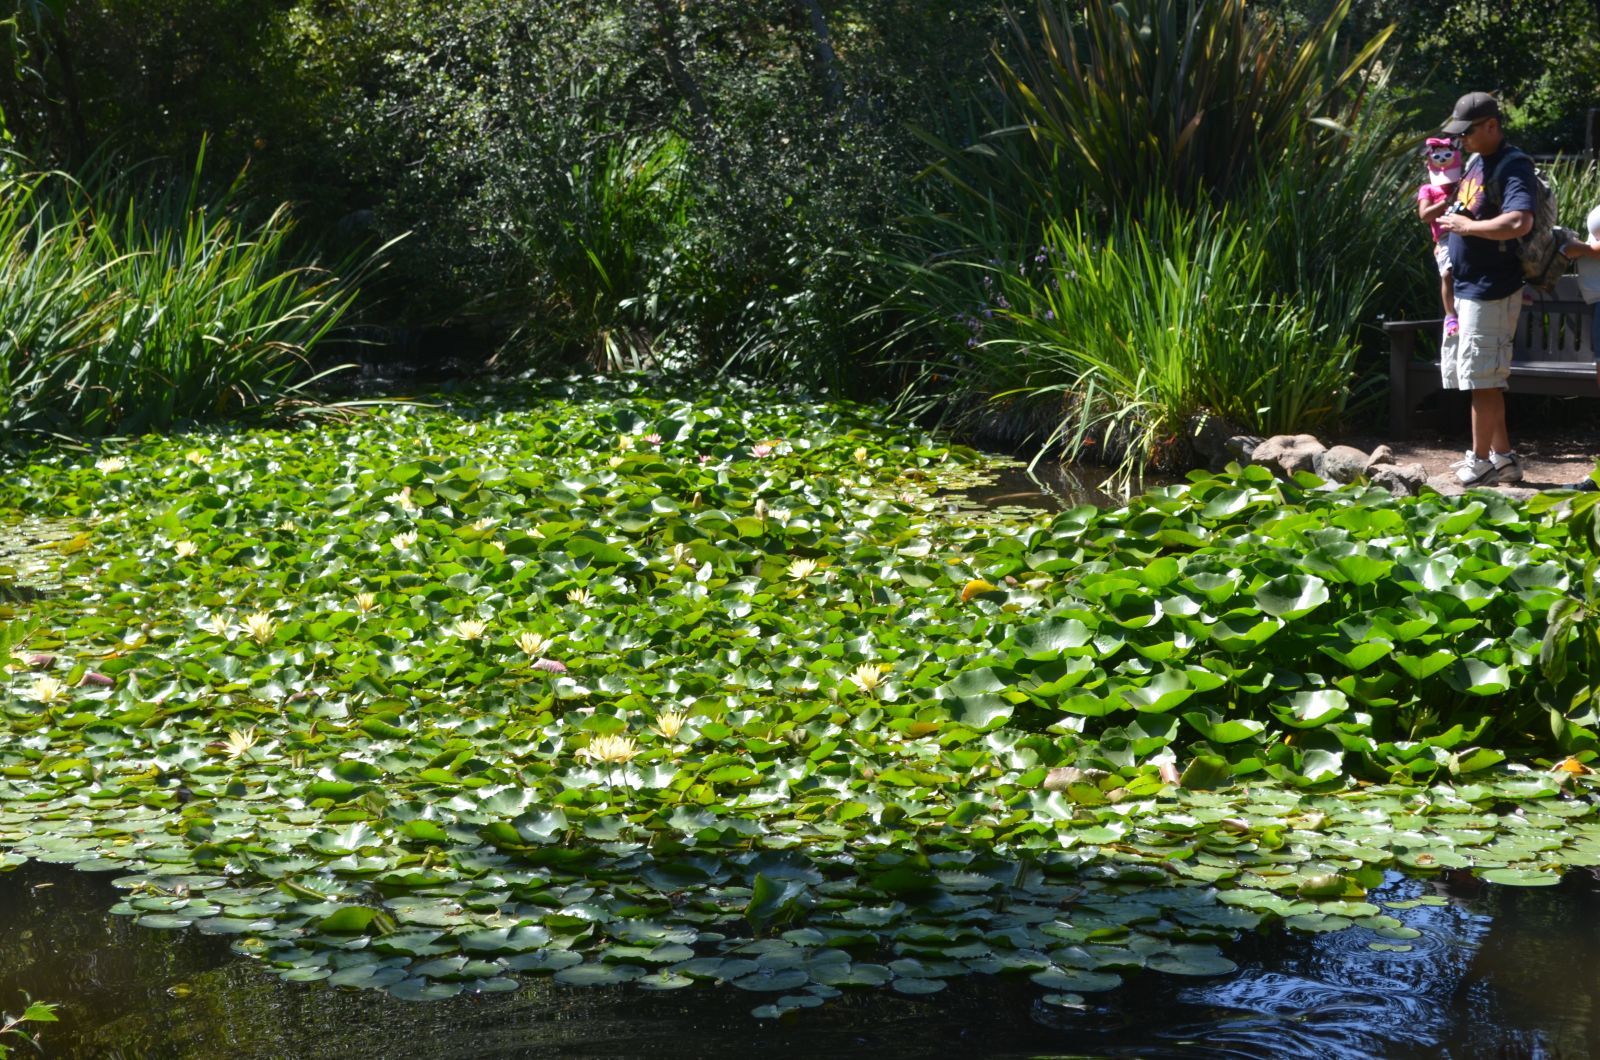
[[1489, 422], [1488, 330]]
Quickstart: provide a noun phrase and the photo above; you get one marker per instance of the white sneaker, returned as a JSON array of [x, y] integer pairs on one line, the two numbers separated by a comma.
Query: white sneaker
[[1508, 466], [1473, 470]]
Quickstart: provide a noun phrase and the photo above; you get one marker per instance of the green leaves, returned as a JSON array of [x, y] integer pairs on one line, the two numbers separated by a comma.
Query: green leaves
[[648, 744]]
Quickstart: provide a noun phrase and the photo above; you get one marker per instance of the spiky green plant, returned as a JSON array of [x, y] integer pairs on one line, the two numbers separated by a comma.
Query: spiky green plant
[[1127, 97]]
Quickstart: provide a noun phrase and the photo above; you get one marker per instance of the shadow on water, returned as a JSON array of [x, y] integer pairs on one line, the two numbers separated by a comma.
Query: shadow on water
[[1501, 972]]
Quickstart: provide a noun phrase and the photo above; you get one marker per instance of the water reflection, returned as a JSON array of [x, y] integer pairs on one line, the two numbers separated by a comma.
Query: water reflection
[[1048, 486], [1504, 972]]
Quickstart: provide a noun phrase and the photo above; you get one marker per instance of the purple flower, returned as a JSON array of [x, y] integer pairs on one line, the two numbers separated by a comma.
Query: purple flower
[[1049, 314]]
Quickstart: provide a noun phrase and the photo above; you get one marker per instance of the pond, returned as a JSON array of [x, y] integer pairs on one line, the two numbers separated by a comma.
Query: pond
[[792, 722], [1496, 971]]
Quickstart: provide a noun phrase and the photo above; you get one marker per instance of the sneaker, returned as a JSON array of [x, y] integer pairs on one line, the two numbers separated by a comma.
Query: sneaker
[[1452, 326], [1508, 466], [1474, 470], [1585, 485]]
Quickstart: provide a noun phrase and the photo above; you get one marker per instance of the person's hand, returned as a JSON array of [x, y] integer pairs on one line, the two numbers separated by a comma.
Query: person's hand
[[1455, 222]]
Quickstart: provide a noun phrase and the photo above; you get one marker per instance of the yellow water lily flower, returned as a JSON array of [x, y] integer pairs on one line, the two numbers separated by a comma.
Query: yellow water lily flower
[[260, 626], [535, 644], [611, 749], [366, 603], [625, 442], [669, 723], [801, 569], [195, 456], [47, 690], [404, 541], [110, 464], [860, 454], [469, 629], [486, 523], [185, 549]]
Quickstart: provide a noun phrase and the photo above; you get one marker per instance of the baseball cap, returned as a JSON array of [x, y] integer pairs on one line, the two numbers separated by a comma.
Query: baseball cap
[[1474, 106]]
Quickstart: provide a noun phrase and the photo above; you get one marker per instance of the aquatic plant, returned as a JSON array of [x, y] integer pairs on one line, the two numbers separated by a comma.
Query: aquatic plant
[[1077, 746]]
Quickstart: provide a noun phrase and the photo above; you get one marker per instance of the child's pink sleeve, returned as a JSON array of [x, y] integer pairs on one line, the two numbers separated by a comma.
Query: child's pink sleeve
[[1431, 193]]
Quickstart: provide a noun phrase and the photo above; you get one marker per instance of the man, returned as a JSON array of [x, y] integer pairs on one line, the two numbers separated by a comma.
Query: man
[[1493, 208]]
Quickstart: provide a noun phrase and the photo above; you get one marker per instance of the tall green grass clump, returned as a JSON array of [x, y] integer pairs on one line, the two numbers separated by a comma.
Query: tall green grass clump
[[1214, 214], [131, 304]]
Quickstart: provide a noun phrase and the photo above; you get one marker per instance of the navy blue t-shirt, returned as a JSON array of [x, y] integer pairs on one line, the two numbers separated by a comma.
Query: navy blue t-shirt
[[1489, 269]]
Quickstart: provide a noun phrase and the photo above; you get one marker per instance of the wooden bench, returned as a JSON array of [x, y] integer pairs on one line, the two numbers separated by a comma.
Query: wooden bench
[[1552, 355]]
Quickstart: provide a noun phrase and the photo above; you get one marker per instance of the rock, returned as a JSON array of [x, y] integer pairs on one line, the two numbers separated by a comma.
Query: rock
[[1407, 480], [1287, 453], [1381, 455], [1241, 446], [1210, 436], [1342, 463]]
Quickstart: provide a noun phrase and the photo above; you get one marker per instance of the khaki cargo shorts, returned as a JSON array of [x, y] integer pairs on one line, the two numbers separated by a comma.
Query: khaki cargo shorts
[[1479, 356]]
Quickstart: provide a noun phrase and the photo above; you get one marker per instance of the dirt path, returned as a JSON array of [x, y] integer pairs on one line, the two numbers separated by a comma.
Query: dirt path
[[1552, 457]]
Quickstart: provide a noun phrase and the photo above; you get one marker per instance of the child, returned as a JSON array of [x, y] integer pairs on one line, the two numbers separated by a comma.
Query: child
[[1587, 256], [1433, 199]]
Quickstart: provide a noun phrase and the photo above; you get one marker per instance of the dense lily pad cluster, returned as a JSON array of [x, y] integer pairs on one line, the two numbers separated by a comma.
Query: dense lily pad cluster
[[626, 686]]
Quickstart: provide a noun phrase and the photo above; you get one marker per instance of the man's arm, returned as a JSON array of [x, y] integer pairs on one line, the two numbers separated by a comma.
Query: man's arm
[[1513, 224]]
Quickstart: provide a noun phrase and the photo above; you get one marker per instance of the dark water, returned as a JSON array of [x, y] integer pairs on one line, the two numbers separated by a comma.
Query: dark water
[[1049, 486], [1498, 972]]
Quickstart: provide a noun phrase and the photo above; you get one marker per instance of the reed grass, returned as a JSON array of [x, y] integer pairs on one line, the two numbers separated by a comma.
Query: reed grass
[[131, 303]]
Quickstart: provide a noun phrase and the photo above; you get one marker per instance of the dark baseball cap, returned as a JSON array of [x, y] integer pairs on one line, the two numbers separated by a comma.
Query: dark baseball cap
[[1474, 106]]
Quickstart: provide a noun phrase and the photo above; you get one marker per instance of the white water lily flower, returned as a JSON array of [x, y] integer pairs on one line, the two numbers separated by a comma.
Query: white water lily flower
[[366, 603], [670, 723], [860, 454], [535, 644], [610, 749], [867, 677], [615, 461], [219, 624], [486, 523], [185, 549], [681, 554], [404, 541], [195, 456], [110, 464], [625, 442], [240, 741], [48, 690], [801, 569], [403, 500], [581, 597], [260, 626], [469, 629]]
